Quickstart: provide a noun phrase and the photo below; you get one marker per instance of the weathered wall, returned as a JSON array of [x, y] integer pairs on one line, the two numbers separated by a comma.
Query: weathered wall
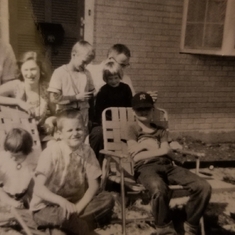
[[197, 90]]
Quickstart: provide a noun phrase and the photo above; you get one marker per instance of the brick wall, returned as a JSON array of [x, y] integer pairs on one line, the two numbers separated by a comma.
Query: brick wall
[[197, 90]]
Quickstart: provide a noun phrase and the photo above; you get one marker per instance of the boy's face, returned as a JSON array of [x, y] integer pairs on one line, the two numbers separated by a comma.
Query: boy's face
[[121, 59], [144, 114], [113, 80], [72, 132], [80, 60]]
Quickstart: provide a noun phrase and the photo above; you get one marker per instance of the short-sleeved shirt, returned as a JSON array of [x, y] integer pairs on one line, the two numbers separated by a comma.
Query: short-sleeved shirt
[[70, 83], [14, 182], [8, 66], [67, 172], [158, 136]]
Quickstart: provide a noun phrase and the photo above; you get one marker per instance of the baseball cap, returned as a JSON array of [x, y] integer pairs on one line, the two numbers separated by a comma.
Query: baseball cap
[[142, 100]]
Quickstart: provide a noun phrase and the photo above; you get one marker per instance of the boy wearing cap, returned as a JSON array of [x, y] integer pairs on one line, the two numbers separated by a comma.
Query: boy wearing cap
[[149, 148]]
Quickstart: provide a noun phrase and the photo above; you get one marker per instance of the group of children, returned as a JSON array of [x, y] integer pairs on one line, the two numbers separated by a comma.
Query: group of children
[[66, 180]]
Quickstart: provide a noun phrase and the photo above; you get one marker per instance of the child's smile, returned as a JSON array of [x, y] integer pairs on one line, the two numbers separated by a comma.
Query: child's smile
[[113, 80], [72, 133]]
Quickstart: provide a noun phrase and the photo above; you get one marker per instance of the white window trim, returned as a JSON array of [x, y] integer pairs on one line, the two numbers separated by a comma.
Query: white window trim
[[89, 21], [4, 20], [228, 44]]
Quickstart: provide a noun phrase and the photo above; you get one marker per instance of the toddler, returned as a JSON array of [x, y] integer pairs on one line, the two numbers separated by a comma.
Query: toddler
[[15, 168]]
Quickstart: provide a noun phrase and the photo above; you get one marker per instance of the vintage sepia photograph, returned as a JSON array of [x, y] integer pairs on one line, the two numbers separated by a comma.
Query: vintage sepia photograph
[[117, 117]]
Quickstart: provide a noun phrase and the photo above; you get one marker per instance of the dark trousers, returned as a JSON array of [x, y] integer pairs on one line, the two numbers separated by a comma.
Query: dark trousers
[[97, 213], [157, 175], [96, 142]]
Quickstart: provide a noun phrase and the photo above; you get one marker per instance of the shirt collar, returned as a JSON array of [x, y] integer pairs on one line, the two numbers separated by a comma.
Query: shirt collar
[[66, 150]]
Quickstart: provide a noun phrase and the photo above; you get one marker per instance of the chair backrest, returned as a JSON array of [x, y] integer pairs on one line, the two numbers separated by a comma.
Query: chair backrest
[[14, 118], [115, 122]]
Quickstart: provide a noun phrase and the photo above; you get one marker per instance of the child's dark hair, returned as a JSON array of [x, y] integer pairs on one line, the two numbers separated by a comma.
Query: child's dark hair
[[18, 140], [68, 114], [120, 49], [112, 68]]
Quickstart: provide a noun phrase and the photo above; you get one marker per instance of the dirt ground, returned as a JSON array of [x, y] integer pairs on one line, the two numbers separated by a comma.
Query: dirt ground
[[218, 218]]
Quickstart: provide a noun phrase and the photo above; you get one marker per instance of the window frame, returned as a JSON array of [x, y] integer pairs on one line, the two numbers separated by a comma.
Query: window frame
[[228, 37]]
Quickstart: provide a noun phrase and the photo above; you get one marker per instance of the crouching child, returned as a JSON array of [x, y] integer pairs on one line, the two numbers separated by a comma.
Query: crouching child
[[67, 182], [149, 148]]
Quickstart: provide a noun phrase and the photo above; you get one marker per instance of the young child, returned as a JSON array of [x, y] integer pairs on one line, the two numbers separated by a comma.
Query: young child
[[67, 181], [113, 94], [71, 84], [148, 146], [15, 169]]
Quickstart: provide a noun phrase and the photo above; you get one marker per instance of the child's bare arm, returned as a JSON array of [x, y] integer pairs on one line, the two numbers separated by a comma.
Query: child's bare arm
[[58, 98], [43, 192], [144, 155], [134, 147], [90, 193]]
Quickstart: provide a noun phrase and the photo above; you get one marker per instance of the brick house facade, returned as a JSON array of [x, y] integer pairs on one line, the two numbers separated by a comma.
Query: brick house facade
[[196, 90]]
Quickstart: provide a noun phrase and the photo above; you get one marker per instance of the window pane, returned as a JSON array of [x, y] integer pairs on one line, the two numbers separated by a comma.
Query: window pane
[[213, 35], [194, 36], [216, 11], [196, 10]]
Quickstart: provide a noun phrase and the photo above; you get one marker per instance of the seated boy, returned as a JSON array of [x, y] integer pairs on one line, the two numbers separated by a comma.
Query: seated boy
[[148, 146], [67, 181], [71, 84]]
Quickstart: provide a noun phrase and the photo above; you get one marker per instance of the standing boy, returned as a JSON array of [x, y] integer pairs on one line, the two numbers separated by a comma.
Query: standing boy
[[148, 146], [67, 181], [71, 84]]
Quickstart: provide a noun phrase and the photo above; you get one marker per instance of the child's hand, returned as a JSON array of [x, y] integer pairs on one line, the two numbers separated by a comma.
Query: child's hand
[[84, 96], [153, 94], [68, 207]]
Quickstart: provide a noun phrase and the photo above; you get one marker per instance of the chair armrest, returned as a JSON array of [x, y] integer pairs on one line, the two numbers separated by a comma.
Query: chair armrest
[[111, 153], [190, 152]]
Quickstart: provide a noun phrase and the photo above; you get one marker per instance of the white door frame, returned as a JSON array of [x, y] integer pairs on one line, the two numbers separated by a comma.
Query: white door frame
[[4, 20], [89, 21]]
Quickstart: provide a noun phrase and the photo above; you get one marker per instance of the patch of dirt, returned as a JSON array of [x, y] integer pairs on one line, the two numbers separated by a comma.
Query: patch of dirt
[[213, 151]]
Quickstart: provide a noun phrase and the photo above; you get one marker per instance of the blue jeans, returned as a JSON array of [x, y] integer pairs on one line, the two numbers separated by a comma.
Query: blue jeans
[[157, 175], [97, 213]]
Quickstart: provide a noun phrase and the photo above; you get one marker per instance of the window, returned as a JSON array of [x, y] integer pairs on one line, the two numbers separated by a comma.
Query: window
[[208, 27]]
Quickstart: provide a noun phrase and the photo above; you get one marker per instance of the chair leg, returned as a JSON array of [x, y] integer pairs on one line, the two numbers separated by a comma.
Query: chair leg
[[21, 221], [123, 199], [105, 172], [202, 226]]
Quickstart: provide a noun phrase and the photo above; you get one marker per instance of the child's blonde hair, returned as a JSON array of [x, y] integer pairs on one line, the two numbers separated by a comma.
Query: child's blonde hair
[[68, 114], [82, 46], [18, 140], [112, 68]]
